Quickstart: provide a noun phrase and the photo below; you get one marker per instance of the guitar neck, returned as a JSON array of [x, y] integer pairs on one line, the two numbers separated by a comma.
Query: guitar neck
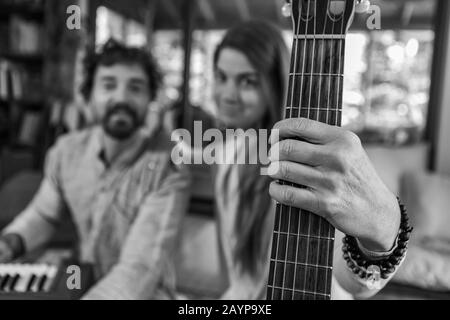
[[302, 247]]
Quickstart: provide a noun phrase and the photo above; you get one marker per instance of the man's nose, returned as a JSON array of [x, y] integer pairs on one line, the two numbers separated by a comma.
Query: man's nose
[[122, 94]]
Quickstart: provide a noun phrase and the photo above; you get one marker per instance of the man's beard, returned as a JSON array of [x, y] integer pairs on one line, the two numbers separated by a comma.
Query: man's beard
[[121, 121]]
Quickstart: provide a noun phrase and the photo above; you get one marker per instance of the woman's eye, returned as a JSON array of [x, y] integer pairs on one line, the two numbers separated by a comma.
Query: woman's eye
[[220, 77], [249, 83]]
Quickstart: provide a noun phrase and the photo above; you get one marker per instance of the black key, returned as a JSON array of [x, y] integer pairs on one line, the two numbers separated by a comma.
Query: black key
[[41, 284], [30, 284], [13, 282], [4, 282]]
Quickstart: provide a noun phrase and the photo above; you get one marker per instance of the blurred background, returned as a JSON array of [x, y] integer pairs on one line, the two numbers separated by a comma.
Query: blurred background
[[395, 98]]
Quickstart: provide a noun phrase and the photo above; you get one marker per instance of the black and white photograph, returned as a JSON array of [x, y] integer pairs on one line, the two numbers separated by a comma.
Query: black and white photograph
[[224, 150]]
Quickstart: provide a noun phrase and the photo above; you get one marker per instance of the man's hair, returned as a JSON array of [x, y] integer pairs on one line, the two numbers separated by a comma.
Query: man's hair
[[113, 53]]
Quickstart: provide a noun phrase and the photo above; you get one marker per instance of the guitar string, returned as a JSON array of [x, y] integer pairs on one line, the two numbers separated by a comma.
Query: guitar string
[[310, 216], [339, 106], [280, 206], [307, 215], [331, 58], [299, 106], [322, 57], [331, 71]]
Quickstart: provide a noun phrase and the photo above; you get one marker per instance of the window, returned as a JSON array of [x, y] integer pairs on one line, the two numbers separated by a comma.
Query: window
[[386, 89], [110, 24]]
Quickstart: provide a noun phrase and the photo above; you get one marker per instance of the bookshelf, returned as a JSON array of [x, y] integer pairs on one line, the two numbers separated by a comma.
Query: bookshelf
[[23, 106]]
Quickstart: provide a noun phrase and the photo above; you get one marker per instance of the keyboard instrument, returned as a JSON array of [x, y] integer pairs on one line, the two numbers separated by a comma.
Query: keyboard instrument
[[41, 281]]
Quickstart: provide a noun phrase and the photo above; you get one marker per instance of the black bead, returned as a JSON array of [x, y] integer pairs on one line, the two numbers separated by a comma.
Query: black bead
[[402, 245], [404, 236], [390, 270], [399, 251]]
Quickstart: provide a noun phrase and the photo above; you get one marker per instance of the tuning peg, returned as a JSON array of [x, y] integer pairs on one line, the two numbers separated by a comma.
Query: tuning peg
[[286, 10], [362, 6]]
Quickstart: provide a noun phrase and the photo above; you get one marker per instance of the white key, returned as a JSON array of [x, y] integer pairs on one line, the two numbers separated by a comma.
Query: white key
[[51, 274], [22, 284]]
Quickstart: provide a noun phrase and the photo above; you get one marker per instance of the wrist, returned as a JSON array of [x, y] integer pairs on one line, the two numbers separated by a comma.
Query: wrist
[[384, 239], [384, 264]]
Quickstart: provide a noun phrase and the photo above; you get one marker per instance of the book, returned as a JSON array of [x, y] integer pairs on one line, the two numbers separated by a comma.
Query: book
[[29, 130], [16, 84], [4, 85], [25, 36]]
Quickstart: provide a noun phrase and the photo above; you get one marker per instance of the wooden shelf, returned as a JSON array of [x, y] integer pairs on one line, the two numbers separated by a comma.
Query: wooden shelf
[[27, 104], [31, 12], [23, 57]]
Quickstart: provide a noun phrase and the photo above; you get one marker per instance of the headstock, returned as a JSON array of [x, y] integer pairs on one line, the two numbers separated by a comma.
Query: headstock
[[322, 17]]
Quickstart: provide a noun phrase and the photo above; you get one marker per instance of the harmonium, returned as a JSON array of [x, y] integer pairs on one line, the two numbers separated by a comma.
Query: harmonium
[[44, 281]]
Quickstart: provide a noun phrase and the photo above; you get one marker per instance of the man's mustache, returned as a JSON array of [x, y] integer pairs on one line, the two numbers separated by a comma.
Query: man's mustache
[[121, 107]]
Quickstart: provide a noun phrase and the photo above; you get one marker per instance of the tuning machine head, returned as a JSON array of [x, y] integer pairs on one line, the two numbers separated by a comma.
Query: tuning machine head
[[286, 10], [362, 6]]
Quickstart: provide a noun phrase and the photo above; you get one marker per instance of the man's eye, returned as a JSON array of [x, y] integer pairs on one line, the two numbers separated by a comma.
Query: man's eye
[[109, 86], [136, 89]]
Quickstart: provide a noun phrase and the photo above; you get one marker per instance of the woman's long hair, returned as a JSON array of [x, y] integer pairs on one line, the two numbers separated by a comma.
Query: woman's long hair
[[263, 45]]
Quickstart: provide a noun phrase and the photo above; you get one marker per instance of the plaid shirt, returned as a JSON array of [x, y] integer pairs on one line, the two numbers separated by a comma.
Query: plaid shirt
[[127, 215]]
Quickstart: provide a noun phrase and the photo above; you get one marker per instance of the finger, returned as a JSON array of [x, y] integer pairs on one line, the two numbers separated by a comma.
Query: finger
[[305, 129], [296, 151], [5, 253], [295, 173], [295, 197], [5, 256]]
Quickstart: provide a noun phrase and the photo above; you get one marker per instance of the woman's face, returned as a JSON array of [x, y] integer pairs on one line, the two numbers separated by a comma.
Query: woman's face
[[237, 90]]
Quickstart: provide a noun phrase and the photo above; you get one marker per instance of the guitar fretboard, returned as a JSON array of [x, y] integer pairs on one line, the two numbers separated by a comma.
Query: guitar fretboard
[[302, 245]]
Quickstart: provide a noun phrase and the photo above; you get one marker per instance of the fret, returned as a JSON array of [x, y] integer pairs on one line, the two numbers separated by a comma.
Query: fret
[[314, 90], [334, 109], [319, 37], [302, 291], [296, 249], [314, 114], [298, 222], [317, 74], [300, 277], [303, 264], [305, 235], [324, 53]]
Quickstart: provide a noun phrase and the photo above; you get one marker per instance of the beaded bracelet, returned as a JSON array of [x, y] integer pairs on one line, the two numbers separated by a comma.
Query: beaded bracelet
[[371, 269]]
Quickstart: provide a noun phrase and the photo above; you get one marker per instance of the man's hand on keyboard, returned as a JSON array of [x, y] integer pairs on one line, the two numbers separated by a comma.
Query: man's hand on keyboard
[[6, 253]]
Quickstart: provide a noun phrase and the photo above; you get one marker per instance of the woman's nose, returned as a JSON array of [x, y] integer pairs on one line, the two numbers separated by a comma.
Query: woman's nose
[[230, 91]]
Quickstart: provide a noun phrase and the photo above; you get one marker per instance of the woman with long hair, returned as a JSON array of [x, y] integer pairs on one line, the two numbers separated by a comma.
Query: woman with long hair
[[250, 67]]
